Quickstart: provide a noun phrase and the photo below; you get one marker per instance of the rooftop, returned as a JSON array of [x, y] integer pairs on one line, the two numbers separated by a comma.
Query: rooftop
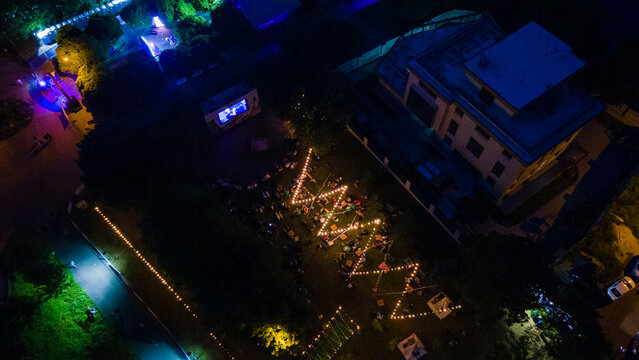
[[545, 122], [413, 43], [262, 13], [222, 99], [524, 65]]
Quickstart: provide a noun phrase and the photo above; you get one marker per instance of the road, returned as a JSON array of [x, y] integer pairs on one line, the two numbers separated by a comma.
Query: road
[[105, 285]]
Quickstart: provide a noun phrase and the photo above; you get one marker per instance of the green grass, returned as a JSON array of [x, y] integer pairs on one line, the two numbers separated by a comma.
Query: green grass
[[59, 326]]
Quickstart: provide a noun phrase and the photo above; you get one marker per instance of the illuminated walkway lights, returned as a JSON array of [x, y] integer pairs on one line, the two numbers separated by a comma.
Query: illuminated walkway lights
[[157, 274]]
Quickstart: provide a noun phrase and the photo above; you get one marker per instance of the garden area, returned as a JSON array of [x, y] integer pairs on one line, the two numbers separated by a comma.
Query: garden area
[[48, 312]]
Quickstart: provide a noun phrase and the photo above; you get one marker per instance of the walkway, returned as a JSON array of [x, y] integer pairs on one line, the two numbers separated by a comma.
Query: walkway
[[110, 292]]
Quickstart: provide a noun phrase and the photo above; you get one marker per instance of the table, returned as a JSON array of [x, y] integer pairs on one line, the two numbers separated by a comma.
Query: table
[[343, 237], [349, 263], [380, 303], [333, 227]]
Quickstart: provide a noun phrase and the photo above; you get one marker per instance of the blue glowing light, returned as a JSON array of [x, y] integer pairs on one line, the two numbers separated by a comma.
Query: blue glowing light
[[232, 111], [157, 22], [42, 83], [148, 44]]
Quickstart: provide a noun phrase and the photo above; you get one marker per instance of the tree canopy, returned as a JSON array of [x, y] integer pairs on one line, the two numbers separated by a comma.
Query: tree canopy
[[498, 275], [77, 49], [240, 279], [191, 26], [136, 14], [104, 27], [175, 10]]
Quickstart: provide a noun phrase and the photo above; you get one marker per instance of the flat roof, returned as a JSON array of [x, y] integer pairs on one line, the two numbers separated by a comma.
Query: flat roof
[[260, 12], [535, 129], [524, 65], [225, 97]]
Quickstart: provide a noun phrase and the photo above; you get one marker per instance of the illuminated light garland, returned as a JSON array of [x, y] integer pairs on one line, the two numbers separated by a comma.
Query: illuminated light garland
[[389, 270], [339, 192], [300, 180], [348, 331], [159, 277]]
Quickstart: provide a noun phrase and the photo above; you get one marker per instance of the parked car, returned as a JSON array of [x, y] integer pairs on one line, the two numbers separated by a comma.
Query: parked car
[[620, 288]]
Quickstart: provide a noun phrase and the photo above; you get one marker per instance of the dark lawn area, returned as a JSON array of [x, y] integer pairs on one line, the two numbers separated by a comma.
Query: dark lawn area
[[236, 156], [414, 236], [411, 230], [191, 334]]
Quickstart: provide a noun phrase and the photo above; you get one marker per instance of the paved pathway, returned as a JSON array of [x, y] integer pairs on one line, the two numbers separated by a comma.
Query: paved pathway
[[108, 289]]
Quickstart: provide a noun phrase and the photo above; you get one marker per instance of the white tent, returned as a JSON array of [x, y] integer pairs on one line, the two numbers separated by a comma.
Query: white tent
[[441, 305], [412, 348]]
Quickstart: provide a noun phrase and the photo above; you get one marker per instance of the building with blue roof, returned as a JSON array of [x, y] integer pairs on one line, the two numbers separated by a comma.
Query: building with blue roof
[[507, 104]]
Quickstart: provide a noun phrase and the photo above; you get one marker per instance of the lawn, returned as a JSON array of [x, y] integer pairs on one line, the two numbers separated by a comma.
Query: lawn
[[414, 235], [59, 326]]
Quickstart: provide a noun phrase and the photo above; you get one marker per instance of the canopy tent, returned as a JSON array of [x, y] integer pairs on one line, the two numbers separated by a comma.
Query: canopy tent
[[441, 305], [412, 348]]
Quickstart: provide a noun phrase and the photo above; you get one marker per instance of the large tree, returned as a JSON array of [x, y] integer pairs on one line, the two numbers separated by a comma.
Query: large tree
[[104, 27], [19, 19], [188, 28], [175, 10], [136, 14], [76, 49]]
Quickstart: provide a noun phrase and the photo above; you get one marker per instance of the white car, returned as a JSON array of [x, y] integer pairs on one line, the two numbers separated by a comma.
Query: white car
[[620, 288]]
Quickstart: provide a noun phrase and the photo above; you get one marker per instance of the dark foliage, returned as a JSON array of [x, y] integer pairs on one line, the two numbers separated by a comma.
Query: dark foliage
[[14, 115], [176, 62], [231, 24], [104, 27], [187, 29], [126, 88], [232, 270], [136, 14]]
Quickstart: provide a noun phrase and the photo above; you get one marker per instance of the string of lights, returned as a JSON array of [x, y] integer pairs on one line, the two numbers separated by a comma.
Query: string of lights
[[177, 296], [334, 335]]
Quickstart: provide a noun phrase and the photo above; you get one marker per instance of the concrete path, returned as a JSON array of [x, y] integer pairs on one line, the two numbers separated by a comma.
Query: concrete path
[[105, 285]]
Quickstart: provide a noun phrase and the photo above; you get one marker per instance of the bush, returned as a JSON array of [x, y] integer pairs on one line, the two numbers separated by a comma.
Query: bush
[[14, 115]]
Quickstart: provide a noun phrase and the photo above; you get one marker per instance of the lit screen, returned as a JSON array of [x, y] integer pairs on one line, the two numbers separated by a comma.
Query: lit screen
[[232, 111]]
